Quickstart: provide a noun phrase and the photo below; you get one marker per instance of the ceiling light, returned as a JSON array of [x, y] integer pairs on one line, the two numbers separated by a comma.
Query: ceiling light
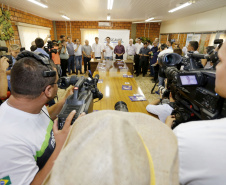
[[110, 4], [64, 16], [149, 19], [180, 7], [108, 17], [38, 3]]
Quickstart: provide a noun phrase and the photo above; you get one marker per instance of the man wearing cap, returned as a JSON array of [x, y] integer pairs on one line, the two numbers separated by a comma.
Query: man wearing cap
[[117, 148]]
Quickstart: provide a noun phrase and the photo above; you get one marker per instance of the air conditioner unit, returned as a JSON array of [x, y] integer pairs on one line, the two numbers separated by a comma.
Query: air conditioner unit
[[104, 24]]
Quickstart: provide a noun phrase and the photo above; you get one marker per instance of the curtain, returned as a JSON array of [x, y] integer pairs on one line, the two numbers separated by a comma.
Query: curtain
[[89, 34], [29, 33]]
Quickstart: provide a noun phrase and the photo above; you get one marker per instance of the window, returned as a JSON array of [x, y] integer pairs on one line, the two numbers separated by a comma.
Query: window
[[29, 33], [89, 34]]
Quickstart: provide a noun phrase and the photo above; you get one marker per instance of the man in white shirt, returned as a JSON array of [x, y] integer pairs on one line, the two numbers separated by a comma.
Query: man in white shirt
[[193, 47], [29, 140], [138, 46], [130, 50], [96, 49], [78, 56], [201, 144], [149, 44], [169, 44], [108, 49]]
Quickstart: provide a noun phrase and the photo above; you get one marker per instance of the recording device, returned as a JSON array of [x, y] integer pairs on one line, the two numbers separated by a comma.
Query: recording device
[[194, 88], [49, 49], [121, 106], [85, 91], [10, 59]]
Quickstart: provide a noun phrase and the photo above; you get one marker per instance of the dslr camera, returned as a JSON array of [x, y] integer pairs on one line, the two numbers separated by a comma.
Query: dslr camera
[[194, 87], [10, 59]]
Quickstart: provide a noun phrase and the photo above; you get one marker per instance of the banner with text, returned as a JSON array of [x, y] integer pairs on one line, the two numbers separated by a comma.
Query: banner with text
[[115, 35]]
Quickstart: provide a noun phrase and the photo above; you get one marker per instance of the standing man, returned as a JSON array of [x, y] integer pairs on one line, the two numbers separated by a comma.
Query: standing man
[[169, 44], [62, 37], [144, 57], [86, 50], [130, 50], [149, 44], [119, 50], [71, 59], [153, 58], [78, 56], [108, 50], [39, 42], [138, 46], [96, 49]]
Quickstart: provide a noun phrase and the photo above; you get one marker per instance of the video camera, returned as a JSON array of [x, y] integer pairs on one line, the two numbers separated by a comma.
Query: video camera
[[85, 90], [10, 61], [49, 49], [194, 87]]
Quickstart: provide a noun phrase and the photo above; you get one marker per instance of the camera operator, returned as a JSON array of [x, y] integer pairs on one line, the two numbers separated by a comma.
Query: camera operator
[[3, 77], [163, 50], [29, 140], [201, 143], [39, 42]]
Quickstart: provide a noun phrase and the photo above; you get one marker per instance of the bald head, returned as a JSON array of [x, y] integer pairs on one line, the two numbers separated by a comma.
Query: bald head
[[119, 42], [87, 42], [220, 81]]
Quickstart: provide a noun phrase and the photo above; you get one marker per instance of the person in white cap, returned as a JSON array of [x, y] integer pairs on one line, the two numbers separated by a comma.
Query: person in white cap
[[117, 148]]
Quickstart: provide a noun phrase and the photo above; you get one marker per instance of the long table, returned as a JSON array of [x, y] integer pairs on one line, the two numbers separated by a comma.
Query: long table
[[112, 76], [94, 63]]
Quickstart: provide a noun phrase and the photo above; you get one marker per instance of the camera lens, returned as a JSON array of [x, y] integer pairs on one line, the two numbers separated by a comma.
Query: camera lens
[[121, 106]]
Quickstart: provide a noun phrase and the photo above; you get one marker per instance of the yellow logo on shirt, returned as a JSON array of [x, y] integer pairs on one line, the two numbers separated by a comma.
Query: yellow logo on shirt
[[5, 181]]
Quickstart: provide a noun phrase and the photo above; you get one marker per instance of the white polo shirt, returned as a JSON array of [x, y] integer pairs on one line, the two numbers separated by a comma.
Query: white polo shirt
[[97, 49], [109, 51], [138, 47], [79, 51], [202, 151]]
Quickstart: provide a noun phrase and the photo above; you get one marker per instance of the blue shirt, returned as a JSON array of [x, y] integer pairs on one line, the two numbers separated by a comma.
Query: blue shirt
[[40, 50], [8, 76]]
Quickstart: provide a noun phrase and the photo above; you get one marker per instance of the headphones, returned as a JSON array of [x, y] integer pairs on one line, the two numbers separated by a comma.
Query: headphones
[[44, 60]]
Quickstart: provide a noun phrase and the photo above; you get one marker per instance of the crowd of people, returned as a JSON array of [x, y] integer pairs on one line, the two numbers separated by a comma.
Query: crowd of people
[[30, 140]]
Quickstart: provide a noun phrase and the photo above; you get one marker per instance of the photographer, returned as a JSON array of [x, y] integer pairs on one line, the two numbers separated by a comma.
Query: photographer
[[29, 140], [201, 143], [3, 77]]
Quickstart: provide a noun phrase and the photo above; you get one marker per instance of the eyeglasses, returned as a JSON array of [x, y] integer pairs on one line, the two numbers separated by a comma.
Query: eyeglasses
[[53, 84]]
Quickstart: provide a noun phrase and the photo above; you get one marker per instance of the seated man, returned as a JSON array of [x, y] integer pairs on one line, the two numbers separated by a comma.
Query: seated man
[[29, 140], [201, 143]]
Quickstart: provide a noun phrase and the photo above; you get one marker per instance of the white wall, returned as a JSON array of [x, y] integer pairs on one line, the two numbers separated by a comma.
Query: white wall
[[213, 20]]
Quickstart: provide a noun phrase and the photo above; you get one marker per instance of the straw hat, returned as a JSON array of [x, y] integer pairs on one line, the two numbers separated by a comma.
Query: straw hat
[[117, 148]]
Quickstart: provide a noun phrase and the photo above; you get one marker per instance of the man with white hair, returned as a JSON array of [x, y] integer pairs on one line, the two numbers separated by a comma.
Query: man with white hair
[[130, 50], [86, 50]]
